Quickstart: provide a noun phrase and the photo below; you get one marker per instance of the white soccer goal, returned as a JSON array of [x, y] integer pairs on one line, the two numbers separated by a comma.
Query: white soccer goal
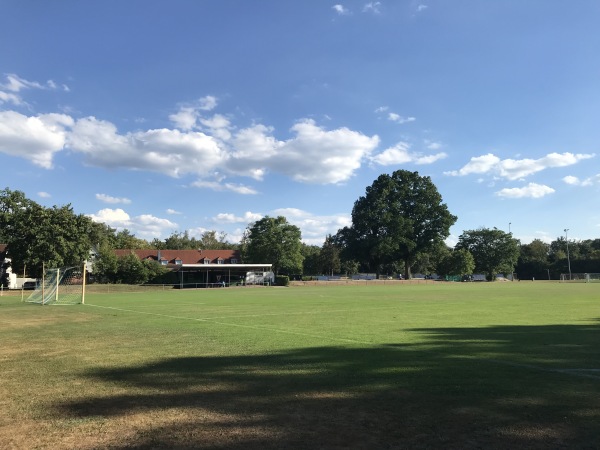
[[63, 286], [580, 277]]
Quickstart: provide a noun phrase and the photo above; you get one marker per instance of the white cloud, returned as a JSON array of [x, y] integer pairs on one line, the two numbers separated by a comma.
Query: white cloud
[[532, 190], [340, 9], [207, 103], [397, 118], [227, 218], [171, 152], [35, 138], [185, 118], [172, 211], [314, 228], [220, 187], [373, 7], [401, 154], [9, 90], [319, 156], [512, 169], [145, 226], [43, 194], [200, 146], [574, 181], [112, 200]]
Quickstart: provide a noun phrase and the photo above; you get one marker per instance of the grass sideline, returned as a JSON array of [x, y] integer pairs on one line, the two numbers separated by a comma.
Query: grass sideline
[[441, 365]]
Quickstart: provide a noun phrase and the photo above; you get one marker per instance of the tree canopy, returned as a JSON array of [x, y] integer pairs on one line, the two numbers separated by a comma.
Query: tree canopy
[[35, 234], [274, 240], [400, 216], [493, 250]]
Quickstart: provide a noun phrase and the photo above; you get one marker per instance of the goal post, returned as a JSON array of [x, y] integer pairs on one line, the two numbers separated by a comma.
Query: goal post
[[60, 286]]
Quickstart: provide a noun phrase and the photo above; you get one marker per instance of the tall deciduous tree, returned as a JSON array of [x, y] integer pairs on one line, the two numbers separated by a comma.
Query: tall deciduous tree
[[493, 250], [273, 240], [457, 262], [35, 234], [330, 256], [400, 216]]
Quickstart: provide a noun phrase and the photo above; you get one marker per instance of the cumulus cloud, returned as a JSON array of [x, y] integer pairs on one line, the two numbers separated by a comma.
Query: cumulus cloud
[[372, 7], [35, 138], [113, 200], [314, 228], [575, 181], [171, 152], [401, 154], [340, 9], [397, 118], [512, 169], [199, 145], [228, 218], [318, 156], [145, 226], [532, 190], [187, 116], [221, 187]]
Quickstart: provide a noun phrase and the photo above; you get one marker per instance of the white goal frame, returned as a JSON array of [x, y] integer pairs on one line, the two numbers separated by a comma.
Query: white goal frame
[[580, 277], [60, 286]]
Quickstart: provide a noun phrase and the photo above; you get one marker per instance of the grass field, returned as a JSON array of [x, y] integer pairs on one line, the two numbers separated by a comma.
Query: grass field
[[460, 365]]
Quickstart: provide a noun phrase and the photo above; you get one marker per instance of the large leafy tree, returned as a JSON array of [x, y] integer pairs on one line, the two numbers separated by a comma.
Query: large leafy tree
[[457, 262], [493, 250], [273, 240], [35, 234], [400, 216], [330, 256]]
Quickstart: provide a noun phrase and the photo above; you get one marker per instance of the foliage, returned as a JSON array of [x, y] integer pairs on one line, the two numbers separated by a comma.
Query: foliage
[[37, 235], [312, 261], [329, 256], [124, 239], [132, 270], [282, 280], [493, 250], [209, 240], [350, 267], [456, 262], [400, 216], [273, 240]]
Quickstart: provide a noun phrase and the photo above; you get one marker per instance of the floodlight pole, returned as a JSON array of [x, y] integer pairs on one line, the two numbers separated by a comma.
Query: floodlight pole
[[509, 223], [568, 256]]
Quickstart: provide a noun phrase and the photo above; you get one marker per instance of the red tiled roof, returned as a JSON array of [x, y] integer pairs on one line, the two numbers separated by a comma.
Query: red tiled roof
[[186, 256]]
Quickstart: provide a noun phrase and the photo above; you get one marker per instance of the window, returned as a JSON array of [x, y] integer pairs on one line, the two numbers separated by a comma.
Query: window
[[206, 261], [163, 262], [178, 262], [219, 261], [233, 261]]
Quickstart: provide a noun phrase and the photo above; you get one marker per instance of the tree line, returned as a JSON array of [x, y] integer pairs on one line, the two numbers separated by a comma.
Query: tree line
[[399, 227]]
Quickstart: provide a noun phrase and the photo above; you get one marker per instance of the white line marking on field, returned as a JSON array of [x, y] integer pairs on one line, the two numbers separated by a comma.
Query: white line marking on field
[[253, 327]]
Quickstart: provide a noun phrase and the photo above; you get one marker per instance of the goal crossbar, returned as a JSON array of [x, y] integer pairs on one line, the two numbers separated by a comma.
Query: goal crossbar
[[60, 286]]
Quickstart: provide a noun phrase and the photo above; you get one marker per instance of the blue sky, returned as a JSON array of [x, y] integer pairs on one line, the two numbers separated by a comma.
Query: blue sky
[[162, 117]]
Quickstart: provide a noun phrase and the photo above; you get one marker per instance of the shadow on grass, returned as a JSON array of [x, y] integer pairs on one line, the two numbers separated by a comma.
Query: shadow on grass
[[496, 387]]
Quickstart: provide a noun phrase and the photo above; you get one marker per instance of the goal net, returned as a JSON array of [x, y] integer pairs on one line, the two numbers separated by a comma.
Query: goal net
[[580, 277], [63, 286]]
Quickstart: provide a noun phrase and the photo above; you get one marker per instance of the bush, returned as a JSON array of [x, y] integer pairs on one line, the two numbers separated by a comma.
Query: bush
[[282, 280]]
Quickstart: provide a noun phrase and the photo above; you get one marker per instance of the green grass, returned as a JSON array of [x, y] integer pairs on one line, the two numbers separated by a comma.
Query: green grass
[[460, 365]]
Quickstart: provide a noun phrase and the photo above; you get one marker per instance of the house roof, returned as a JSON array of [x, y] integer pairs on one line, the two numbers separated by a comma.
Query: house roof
[[186, 256]]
